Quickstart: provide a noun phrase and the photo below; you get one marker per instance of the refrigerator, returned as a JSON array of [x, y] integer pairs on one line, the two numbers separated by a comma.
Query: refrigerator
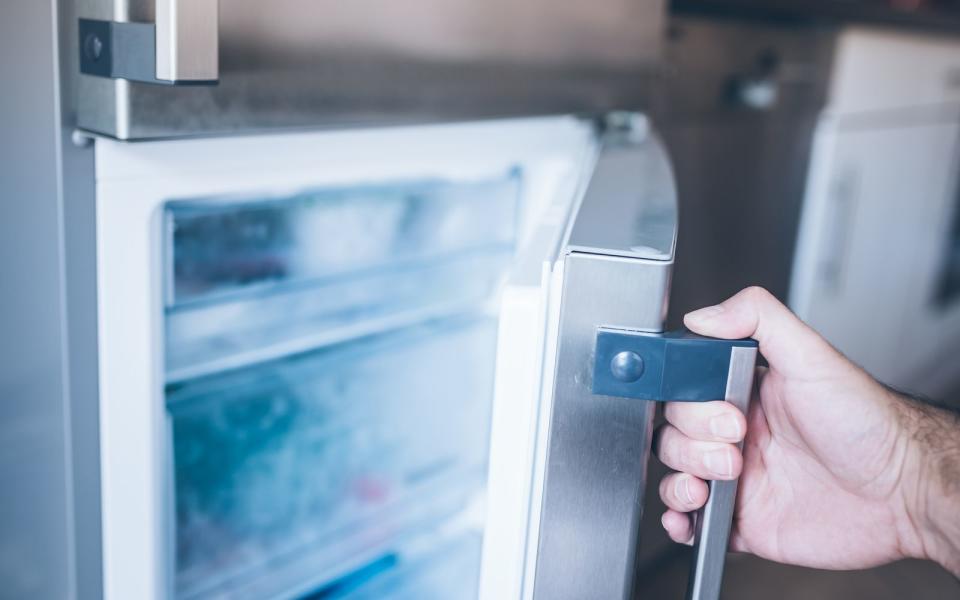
[[886, 169], [332, 287]]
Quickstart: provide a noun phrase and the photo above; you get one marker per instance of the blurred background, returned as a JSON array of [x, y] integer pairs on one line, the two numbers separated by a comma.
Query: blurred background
[[811, 159], [248, 331]]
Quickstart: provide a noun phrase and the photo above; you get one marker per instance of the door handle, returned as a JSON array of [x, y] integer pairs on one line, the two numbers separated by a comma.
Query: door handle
[[842, 199], [180, 48], [684, 367]]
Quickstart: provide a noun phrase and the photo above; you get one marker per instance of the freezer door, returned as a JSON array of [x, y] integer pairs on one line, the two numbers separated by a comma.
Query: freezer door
[[567, 468], [309, 63]]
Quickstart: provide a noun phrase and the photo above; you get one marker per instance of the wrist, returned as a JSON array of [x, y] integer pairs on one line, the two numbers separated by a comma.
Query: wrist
[[930, 483]]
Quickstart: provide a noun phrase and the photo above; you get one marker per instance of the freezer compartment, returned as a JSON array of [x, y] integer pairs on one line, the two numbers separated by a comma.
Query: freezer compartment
[[252, 280], [293, 474]]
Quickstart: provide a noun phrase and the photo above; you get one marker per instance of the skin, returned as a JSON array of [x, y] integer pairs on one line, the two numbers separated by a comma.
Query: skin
[[837, 471]]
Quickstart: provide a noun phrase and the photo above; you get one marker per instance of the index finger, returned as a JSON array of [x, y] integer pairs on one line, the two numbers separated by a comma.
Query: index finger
[[707, 421]]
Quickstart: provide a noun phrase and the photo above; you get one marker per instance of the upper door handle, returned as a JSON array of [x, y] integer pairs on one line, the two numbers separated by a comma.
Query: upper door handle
[[188, 40], [181, 48]]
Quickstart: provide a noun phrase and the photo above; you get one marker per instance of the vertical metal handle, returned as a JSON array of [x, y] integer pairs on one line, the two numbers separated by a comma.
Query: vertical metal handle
[[683, 367], [188, 40], [714, 523]]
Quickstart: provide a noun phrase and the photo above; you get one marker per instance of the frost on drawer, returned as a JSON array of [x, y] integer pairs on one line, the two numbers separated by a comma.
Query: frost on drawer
[[248, 278], [329, 366], [304, 468]]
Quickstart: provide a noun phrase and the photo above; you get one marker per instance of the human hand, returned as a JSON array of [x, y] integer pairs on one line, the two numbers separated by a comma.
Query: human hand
[[838, 472]]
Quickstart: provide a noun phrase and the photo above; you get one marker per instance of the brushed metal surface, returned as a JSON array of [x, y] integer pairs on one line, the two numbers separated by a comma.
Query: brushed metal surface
[[78, 201], [617, 268], [188, 40], [323, 63], [630, 206], [49, 506], [713, 526], [35, 515], [598, 446]]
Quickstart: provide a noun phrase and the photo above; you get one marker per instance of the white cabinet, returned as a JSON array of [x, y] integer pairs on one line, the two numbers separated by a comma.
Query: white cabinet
[[879, 213]]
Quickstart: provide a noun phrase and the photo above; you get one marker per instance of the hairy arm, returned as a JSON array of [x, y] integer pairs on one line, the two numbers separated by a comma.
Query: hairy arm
[[933, 491]]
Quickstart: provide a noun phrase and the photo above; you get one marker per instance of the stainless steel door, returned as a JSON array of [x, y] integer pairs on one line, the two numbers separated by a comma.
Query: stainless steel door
[[582, 425], [296, 63], [616, 273]]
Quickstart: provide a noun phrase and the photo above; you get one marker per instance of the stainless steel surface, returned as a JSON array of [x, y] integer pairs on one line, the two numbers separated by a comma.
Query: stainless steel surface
[[713, 526], [49, 545], [78, 202], [630, 206], [36, 542], [741, 171], [188, 38], [310, 63], [598, 446]]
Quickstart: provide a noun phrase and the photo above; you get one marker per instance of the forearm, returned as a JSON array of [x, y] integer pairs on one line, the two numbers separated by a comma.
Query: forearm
[[934, 438]]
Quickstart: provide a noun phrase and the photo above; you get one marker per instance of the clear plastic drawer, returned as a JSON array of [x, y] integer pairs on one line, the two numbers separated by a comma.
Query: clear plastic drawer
[[252, 280], [300, 471]]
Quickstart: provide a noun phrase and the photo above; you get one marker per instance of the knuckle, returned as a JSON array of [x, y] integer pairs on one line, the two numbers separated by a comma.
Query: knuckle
[[686, 454], [691, 419], [673, 450], [757, 293]]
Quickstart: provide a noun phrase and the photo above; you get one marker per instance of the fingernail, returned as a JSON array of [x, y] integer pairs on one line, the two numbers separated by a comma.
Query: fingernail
[[705, 314], [719, 463], [726, 427], [683, 490]]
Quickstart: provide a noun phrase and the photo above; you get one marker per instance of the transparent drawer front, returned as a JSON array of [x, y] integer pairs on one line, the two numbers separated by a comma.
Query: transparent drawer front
[[300, 471], [448, 570], [223, 246], [253, 280]]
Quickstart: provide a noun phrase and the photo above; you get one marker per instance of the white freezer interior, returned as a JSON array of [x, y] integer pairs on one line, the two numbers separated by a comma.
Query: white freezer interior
[[298, 338]]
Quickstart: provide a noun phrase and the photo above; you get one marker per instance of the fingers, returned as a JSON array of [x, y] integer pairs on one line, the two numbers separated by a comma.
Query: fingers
[[706, 460], [679, 526], [683, 492], [785, 340], [707, 421]]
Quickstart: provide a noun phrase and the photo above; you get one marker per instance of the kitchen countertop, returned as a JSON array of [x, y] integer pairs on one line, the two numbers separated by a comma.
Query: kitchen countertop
[[943, 19]]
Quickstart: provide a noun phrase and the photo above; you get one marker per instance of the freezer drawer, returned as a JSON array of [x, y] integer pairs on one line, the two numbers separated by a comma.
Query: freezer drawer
[[291, 475], [296, 63], [247, 279]]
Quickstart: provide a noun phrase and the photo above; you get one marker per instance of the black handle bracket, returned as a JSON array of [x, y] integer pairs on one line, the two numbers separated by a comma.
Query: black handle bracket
[[675, 366], [122, 51]]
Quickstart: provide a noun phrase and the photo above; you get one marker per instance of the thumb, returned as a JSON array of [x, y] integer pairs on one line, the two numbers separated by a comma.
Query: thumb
[[788, 344]]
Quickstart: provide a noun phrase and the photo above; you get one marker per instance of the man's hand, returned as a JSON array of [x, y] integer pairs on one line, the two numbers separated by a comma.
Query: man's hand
[[838, 472]]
